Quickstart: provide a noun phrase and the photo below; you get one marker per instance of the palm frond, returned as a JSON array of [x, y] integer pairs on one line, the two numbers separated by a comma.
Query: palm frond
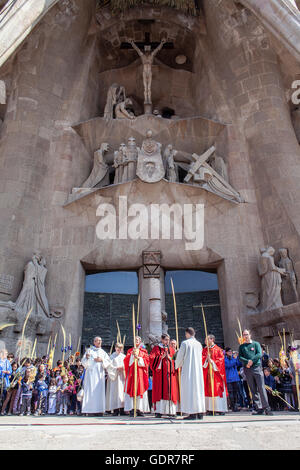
[[6, 325]]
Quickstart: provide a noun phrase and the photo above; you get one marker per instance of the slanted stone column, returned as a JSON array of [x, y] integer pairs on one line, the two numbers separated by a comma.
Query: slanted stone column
[[18, 21]]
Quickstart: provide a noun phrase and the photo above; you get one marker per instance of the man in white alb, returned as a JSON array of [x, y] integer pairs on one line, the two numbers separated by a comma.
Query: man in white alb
[[95, 361], [115, 393], [189, 358]]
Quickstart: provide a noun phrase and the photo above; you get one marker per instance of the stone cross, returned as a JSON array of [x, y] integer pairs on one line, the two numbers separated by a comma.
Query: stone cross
[[198, 162]]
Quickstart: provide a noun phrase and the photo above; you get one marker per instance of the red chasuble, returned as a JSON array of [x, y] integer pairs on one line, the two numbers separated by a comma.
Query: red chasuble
[[165, 382], [142, 373], [219, 376]]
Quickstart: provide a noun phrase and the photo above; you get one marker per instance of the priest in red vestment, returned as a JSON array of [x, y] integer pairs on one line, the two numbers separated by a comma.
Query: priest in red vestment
[[165, 392], [216, 396], [142, 404]]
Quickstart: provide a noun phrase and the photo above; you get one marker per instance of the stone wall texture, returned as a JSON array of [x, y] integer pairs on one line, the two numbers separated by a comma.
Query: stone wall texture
[[238, 74]]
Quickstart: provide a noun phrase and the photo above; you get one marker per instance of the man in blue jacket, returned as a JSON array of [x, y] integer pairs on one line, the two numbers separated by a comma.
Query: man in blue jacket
[[232, 378]]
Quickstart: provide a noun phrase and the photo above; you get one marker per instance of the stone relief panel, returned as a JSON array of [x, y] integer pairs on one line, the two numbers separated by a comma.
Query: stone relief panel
[[6, 283], [151, 161]]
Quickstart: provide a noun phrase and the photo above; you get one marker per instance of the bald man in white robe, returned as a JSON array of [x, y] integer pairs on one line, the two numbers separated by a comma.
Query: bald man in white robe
[[95, 361], [192, 395]]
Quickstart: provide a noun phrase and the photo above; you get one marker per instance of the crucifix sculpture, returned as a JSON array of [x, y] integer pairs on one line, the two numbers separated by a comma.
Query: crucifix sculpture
[[147, 58]]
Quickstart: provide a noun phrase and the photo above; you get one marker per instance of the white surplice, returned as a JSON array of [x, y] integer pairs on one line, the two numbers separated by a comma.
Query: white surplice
[[189, 358], [94, 381], [115, 388]]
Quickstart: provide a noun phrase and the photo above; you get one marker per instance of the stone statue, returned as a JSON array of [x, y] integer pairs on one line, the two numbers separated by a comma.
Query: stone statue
[[261, 268], [99, 174], [251, 301], [121, 110], [171, 167], [147, 60], [289, 281], [116, 94], [219, 165], [203, 175], [131, 158], [150, 167], [154, 339], [164, 319], [270, 281], [33, 294], [118, 166]]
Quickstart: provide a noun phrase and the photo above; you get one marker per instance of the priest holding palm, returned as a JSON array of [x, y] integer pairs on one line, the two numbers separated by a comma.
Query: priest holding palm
[[165, 393], [139, 355]]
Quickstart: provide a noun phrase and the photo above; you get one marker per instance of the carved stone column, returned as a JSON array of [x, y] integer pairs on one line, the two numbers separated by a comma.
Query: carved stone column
[[151, 280]]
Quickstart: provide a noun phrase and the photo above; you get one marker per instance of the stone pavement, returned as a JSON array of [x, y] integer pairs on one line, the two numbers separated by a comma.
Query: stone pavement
[[235, 431]]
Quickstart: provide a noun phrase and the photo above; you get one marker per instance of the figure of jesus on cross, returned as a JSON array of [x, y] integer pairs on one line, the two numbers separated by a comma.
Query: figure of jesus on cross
[[147, 60]]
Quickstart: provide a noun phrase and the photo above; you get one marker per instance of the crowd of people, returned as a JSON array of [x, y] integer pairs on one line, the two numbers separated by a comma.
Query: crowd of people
[[191, 381], [34, 388]]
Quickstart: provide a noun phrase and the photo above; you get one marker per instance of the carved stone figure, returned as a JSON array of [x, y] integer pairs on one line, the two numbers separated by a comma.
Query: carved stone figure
[[203, 175], [171, 167], [270, 281], [99, 174], [123, 164], [154, 340], [33, 294], [150, 167], [289, 281], [164, 318], [116, 94], [121, 110], [118, 166], [147, 60], [219, 165], [251, 301], [131, 158]]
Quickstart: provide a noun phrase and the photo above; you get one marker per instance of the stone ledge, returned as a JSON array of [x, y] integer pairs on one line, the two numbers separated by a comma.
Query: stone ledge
[[276, 316]]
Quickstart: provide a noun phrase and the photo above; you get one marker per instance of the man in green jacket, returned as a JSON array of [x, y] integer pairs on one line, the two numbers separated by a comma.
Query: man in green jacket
[[250, 355]]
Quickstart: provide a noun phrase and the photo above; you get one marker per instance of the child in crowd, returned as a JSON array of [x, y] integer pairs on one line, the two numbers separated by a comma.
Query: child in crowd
[[58, 378], [72, 395], [64, 396], [42, 389], [52, 397], [26, 395]]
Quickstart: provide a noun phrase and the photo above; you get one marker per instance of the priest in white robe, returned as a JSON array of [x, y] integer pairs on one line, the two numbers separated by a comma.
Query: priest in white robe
[[95, 361], [116, 382], [189, 358]]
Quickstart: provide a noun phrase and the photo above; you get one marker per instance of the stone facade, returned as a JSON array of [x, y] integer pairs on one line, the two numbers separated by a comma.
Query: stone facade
[[233, 92]]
